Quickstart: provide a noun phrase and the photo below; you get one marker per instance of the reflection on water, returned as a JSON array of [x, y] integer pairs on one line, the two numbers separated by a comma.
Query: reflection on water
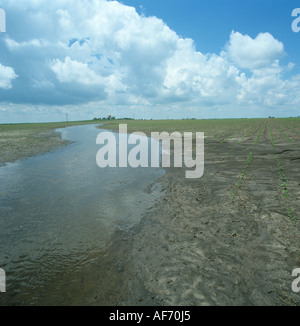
[[57, 214]]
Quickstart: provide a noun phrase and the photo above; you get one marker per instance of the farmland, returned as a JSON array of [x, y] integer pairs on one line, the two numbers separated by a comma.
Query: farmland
[[231, 237], [18, 141]]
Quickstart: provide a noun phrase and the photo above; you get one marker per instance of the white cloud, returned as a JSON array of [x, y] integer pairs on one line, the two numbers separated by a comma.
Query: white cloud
[[72, 71], [7, 75], [193, 74], [105, 53], [256, 53], [16, 46]]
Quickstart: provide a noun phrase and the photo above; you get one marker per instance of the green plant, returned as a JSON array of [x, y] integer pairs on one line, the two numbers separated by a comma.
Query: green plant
[[291, 213]]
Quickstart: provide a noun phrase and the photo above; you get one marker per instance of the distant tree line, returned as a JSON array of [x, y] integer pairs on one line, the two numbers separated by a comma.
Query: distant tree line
[[110, 117]]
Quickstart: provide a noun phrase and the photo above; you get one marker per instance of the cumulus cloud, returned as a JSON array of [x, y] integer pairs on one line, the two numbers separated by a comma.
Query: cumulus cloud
[[255, 53], [7, 75], [193, 74], [72, 71], [69, 52]]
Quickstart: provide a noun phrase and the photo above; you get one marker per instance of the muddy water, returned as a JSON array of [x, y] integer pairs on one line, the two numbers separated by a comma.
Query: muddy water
[[57, 214]]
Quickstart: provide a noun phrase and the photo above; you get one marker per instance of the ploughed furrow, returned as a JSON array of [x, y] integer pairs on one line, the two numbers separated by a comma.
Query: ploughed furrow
[[261, 198], [219, 131], [241, 250], [249, 160], [247, 243], [234, 137], [288, 164], [284, 135], [294, 130], [228, 130], [293, 124], [250, 237], [246, 138]]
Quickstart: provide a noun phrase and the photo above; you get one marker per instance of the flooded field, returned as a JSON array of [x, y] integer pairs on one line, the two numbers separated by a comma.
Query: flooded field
[[58, 212], [72, 233]]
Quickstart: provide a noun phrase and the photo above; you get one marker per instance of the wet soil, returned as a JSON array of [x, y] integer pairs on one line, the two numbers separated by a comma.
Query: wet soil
[[210, 242]]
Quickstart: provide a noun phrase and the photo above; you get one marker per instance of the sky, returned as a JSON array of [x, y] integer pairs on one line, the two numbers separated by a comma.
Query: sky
[[148, 59]]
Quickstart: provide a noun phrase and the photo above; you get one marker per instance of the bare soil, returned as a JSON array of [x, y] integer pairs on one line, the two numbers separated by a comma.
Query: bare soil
[[209, 242], [21, 145]]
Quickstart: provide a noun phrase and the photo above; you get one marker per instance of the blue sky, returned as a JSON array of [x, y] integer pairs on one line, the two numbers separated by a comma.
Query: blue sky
[[148, 59], [209, 23]]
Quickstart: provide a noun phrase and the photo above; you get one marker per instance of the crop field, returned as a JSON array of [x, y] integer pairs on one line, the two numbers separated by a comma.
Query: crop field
[[244, 149], [232, 236], [263, 153]]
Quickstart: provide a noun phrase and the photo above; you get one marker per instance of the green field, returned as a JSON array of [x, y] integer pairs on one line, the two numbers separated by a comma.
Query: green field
[[207, 126], [24, 140]]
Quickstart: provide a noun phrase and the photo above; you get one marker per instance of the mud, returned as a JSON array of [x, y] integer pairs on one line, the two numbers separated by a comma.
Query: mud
[[23, 144], [209, 242]]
